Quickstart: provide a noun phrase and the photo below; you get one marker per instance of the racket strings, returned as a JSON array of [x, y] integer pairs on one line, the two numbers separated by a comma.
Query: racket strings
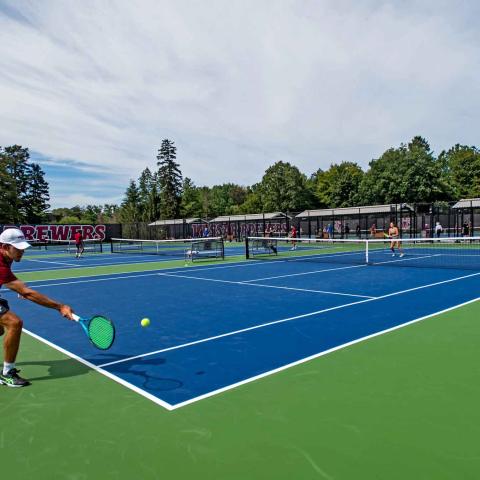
[[101, 332]]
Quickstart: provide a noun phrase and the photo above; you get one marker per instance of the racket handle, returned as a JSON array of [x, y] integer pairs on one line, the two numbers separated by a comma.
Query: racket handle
[[75, 317]]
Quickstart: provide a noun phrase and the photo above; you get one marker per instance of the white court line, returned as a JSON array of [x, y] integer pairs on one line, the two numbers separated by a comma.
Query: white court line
[[406, 260], [103, 372], [317, 355], [49, 261], [139, 261], [111, 275], [305, 273], [283, 320], [263, 285], [91, 280]]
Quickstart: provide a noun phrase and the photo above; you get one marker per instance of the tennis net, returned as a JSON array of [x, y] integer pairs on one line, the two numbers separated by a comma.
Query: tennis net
[[69, 246], [461, 253], [189, 249]]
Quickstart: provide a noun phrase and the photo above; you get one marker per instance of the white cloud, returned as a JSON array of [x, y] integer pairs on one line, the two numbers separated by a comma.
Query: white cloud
[[236, 84]]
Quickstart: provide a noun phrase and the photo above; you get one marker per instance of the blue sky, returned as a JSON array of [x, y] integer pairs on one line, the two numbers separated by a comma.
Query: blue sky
[[93, 86]]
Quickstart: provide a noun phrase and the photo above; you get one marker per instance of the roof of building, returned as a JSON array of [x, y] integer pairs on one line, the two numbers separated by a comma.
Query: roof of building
[[176, 221], [249, 217], [468, 203], [362, 210]]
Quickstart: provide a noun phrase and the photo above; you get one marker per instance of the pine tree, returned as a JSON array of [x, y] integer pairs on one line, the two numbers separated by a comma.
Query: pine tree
[[149, 196], [153, 201], [15, 168], [7, 191], [37, 194], [170, 180], [131, 204]]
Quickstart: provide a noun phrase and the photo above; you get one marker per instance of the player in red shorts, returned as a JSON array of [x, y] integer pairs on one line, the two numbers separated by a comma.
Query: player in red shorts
[[12, 246], [79, 244]]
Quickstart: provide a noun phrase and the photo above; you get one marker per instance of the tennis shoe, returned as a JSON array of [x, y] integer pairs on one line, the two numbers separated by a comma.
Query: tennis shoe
[[12, 379], [401, 255]]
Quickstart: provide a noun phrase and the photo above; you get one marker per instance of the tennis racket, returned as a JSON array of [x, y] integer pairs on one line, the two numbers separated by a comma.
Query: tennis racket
[[99, 329]]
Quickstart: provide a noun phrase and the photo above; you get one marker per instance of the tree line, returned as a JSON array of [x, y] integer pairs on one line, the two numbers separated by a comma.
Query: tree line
[[410, 173]]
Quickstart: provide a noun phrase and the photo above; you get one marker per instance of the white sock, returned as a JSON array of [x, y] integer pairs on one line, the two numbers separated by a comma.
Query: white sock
[[7, 367]]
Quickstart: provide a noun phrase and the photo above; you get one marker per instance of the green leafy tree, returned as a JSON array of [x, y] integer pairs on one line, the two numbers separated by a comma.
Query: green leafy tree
[[225, 198], [69, 219], [339, 185], [204, 199], [110, 214], [410, 173], [284, 188], [463, 166], [170, 180], [190, 204], [381, 182], [253, 201], [90, 214]]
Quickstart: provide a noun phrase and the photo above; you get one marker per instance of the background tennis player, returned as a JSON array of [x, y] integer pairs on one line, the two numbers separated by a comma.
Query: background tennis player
[[395, 242], [79, 244], [12, 247]]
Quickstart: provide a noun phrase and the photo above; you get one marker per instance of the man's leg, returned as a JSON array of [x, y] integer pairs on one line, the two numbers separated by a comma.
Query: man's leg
[[11, 343]]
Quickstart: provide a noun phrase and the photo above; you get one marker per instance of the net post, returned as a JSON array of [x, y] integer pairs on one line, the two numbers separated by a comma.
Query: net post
[[222, 249], [111, 246], [366, 251], [247, 249]]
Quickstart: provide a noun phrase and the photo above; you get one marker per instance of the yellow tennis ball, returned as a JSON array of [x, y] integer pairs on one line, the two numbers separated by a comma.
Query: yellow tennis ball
[[145, 322]]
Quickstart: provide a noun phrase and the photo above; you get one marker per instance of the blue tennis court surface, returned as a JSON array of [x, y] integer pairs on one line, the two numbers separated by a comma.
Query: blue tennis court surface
[[217, 326]]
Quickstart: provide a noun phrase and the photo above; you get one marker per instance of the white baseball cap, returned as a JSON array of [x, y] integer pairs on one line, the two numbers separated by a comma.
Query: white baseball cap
[[15, 237]]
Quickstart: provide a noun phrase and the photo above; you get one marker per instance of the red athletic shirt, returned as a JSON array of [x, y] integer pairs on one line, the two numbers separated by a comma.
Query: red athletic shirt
[[293, 233], [78, 237], [6, 274]]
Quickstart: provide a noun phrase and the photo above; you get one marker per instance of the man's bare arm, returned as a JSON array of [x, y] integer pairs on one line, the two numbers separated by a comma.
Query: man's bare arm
[[34, 296]]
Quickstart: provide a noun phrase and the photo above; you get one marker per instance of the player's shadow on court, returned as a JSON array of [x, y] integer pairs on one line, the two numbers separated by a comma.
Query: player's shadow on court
[[64, 368]]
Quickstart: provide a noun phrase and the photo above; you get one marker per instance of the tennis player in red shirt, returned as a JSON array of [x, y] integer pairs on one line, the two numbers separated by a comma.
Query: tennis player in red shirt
[[12, 247], [293, 234], [79, 244]]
